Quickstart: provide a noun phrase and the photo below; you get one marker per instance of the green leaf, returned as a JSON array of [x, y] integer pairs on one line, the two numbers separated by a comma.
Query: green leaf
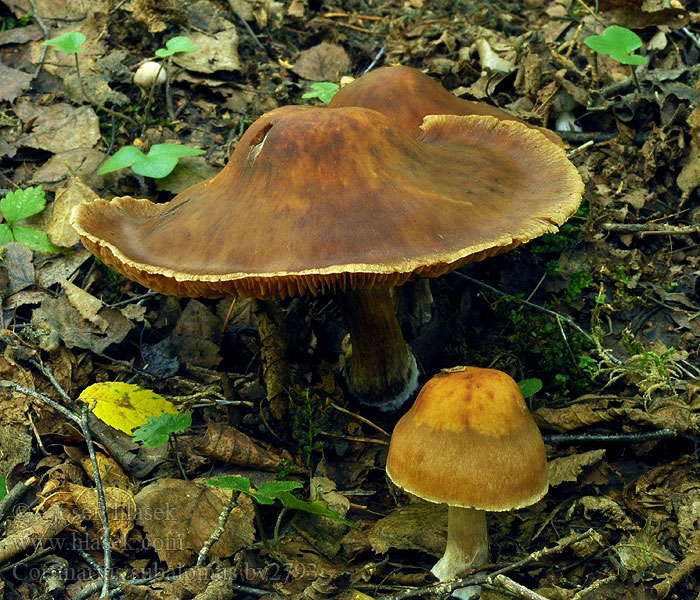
[[271, 489], [180, 43], [231, 482], [155, 166], [162, 159], [529, 387], [315, 508], [323, 90], [35, 239], [618, 43], [20, 204], [3, 488], [6, 234], [174, 151], [68, 42], [124, 157], [158, 429]]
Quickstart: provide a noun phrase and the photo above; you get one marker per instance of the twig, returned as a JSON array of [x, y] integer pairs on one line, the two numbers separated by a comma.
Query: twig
[[46, 370], [360, 418], [514, 587], [547, 311], [15, 495], [218, 532], [250, 31], [53, 404], [354, 438], [594, 586], [623, 438], [45, 31], [375, 60], [344, 15], [580, 148], [650, 228], [106, 543]]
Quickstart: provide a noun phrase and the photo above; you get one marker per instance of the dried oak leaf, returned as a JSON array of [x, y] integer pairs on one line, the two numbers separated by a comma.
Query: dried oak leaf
[[229, 445], [571, 468], [179, 516]]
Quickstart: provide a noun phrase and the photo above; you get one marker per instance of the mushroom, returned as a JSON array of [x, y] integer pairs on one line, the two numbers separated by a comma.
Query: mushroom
[[147, 73], [318, 199], [470, 442], [407, 96]]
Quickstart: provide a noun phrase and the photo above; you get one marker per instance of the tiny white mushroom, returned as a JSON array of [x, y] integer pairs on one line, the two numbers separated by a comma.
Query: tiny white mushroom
[[146, 74]]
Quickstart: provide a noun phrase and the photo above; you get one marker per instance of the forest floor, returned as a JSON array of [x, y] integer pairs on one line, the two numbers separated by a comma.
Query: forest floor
[[605, 313]]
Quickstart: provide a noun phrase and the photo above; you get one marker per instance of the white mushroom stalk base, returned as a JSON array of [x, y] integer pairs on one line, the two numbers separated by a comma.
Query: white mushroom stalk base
[[467, 546]]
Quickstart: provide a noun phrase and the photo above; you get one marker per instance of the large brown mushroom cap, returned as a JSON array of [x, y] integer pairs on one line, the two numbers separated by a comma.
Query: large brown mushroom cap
[[469, 440], [317, 198], [407, 96]]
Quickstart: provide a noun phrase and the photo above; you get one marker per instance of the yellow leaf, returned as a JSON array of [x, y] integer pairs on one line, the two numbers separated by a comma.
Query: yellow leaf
[[125, 406]]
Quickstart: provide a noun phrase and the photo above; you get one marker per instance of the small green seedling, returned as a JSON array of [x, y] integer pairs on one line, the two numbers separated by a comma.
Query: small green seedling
[[174, 45], [618, 43], [3, 488], [70, 43], [19, 205], [177, 44], [267, 493], [529, 387], [270, 491], [158, 429], [323, 90], [159, 162]]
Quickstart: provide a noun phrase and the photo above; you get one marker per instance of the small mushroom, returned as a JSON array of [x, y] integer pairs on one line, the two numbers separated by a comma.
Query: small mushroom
[[318, 199], [470, 442], [407, 96], [146, 74]]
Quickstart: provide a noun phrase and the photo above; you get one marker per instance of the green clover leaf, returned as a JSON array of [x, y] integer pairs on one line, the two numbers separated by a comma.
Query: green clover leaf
[[618, 43]]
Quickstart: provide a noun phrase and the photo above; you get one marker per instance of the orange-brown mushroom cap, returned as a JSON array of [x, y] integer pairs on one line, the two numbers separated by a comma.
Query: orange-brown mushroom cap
[[317, 198], [407, 95], [469, 440]]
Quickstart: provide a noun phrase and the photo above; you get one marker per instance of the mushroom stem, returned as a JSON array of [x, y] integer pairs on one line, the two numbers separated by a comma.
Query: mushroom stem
[[467, 546], [382, 370]]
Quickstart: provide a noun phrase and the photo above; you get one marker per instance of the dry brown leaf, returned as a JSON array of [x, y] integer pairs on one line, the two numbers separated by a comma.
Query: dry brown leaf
[[324, 62], [179, 516], [60, 231], [218, 52], [58, 127], [14, 404], [227, 444], [570, 468], [418, 526], [29, 531], [82, 504], [15, 82], [57, 319], [111, 472], [86, 304]]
